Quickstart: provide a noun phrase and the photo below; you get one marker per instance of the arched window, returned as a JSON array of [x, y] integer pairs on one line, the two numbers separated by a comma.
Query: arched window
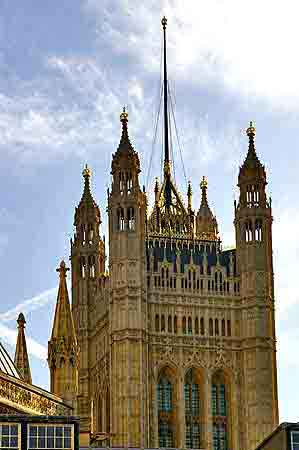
[[165, 409], [202, 326], [192, 409], [196, 326], [219, 412], [216, 327], [169, 324], [184, 325], [90, 233], [211, 327], [223, 327], [82, 267], [162, 322], [189, 325], [229, 330], [107, 401], [131, 219], [175, 324], [258, 230], [91, 266], [248, 231], [120, 219], [157, 323], [83, 233]]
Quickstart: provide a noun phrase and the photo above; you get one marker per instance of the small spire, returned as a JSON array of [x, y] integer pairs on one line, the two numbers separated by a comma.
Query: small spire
[[125, 143], [204, 188], [252, 162], [86, 196], [21, 355], [63, 325]]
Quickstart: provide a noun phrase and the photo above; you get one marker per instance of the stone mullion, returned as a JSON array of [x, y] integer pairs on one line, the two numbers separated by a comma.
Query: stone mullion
[[181, 426], [207, 442]]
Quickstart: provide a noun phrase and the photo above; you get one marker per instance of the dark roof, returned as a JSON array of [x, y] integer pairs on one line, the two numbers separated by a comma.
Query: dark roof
[[7, 365]]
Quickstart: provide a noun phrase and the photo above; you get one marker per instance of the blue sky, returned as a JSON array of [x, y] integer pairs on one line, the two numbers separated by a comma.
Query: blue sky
[[68, 67]]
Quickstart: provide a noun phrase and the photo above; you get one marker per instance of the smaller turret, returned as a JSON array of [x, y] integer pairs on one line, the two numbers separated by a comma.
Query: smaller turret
[[206, 223], [21, 355]]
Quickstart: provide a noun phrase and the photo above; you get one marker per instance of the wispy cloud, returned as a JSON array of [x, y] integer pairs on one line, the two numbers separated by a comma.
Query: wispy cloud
[[34, 348], [30, 305], [220, 43]]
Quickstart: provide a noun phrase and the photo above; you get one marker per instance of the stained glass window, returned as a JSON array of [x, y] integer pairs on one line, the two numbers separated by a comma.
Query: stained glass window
[[165, 435], [192, 410], [164, 395]]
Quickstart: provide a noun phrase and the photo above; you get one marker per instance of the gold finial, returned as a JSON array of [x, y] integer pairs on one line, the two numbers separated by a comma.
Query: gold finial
[[86, 172], [204, 183], [251, 129], [62, 269], [164, 22], [124, 115]]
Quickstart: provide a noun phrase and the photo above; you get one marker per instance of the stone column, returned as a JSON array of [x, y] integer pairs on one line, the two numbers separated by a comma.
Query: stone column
[[208, 423]]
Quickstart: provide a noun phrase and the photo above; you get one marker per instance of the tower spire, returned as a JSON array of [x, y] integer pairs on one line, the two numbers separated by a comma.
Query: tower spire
[[21, 355], [166, 137]]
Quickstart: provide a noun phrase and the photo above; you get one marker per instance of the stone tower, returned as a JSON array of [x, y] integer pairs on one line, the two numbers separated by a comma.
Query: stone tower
[[88, 263], [177, 339], [62, 347], [21, 355], [128, 309], [253, 224]]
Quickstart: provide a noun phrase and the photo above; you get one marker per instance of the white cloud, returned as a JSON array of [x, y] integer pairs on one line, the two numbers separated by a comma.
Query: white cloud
[[249, 49], [34, 348], [30, 305]]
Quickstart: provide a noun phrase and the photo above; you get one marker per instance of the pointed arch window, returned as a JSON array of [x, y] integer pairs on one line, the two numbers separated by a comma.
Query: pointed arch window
[[202, 326], [184, 325], [82, 267], [223, 327], [131, 219], [157, 323], [196, 326], [91, 266], [175, 324], [164, 395], [192, 409], [169, 324], [162, 322], [189, 325], [211, 327], [120, 219], [258, 230]]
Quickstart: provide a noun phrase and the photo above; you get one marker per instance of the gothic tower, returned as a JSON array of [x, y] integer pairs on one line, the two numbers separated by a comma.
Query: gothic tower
[[88, 263], [21, 355], [128, 313], [253, 224], [62, 347]]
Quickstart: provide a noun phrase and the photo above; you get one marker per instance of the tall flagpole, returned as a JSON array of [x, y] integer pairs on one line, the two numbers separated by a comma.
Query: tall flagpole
[[166, 140]]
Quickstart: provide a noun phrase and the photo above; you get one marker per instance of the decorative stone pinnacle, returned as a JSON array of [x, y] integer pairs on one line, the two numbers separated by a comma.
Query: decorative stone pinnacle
[[86, 172], [204, 183], [62, 269], [21, 320], [164, 22], [251, 129], [124, 115]]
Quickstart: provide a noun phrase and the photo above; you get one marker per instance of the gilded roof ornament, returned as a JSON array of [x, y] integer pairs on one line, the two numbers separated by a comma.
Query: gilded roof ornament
[[86, 172], [204, 183], [251, 129], [124, 115]]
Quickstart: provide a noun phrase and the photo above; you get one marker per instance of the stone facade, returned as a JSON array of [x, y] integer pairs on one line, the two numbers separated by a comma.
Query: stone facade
[[177, 340]]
